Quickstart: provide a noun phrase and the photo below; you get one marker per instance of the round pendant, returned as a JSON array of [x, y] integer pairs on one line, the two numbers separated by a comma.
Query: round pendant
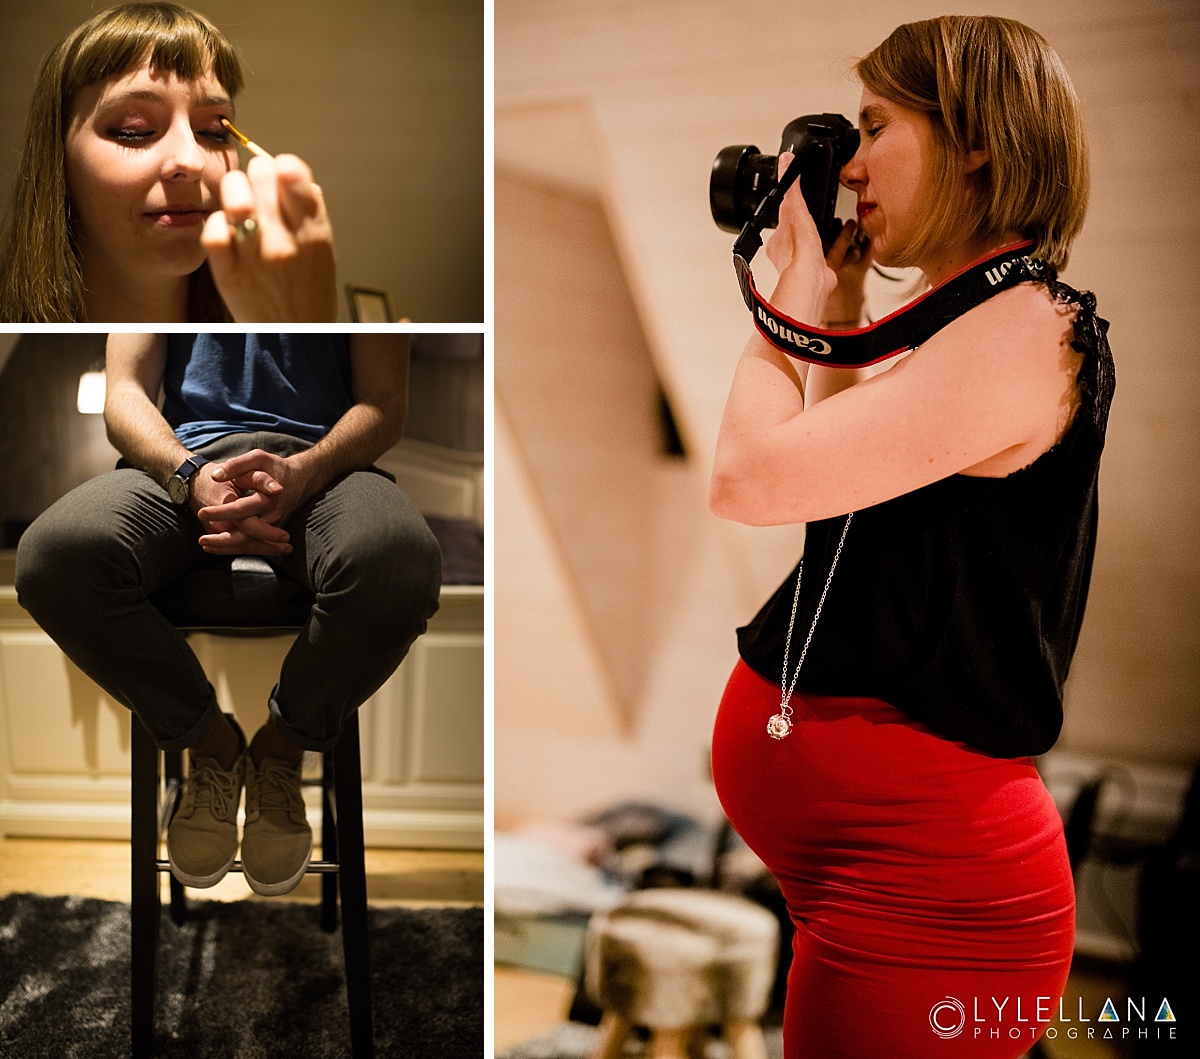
[[779, 727]]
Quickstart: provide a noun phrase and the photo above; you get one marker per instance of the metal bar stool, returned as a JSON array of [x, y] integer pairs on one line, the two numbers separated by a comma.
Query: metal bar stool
[[245, 596]]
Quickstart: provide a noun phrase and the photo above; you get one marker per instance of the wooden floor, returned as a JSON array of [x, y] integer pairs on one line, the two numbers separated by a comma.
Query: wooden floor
[[528, 1004], [419, 878]]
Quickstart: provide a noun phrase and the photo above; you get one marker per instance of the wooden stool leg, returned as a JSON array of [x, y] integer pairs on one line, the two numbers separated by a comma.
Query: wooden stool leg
[[613, 1031], [145, 905], [697, 1042], [352, 880], [669, 1044], [746, 1040]]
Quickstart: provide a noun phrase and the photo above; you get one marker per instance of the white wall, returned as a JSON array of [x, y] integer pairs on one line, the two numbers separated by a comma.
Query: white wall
[[618, 109]]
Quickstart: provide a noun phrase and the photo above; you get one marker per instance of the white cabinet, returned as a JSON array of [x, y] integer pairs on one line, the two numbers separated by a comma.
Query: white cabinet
[[64, 745]]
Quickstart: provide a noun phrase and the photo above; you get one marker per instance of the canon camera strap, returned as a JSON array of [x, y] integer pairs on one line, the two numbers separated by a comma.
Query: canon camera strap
[[897, 332]]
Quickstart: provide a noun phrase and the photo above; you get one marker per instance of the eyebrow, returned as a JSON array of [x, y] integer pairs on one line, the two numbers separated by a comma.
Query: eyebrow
[[148, 95]]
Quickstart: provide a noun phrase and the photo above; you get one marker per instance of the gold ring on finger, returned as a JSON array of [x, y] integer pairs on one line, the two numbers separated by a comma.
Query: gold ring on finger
[[244, 228]]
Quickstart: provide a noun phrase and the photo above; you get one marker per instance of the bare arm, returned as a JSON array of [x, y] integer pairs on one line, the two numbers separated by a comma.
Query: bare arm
[[134, 367], [374, 423], [987, 394]]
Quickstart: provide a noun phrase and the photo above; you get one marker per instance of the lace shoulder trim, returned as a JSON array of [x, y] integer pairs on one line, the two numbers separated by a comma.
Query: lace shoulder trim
[[1097, 376]]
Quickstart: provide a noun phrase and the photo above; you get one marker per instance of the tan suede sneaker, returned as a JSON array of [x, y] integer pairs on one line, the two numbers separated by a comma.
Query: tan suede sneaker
[[202, 835], [277, 841]]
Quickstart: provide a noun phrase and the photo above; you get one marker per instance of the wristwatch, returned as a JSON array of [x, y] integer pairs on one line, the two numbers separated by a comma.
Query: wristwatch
[[179, 487]]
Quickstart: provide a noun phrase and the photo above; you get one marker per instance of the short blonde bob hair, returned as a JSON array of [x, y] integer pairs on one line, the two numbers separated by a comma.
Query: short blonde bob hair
[[995, 84], [41, 279]]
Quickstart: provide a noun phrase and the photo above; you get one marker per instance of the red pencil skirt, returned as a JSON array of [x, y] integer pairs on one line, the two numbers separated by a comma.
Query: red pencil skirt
[[928, 882]]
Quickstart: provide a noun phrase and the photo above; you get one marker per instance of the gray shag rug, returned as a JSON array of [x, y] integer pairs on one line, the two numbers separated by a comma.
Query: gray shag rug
[[239, 980]]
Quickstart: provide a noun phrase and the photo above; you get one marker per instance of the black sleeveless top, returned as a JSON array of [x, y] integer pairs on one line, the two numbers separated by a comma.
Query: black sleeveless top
[[959, 603]]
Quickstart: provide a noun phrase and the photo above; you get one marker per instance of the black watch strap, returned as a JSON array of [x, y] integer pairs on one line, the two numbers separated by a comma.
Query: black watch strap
[[177, 484]]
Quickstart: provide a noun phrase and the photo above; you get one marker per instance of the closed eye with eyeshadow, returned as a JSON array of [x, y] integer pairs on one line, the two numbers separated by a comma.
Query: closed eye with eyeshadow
[[138, 134]]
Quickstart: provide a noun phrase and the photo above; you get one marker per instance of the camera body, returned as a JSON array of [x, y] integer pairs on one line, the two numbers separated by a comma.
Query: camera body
[[742, 177]]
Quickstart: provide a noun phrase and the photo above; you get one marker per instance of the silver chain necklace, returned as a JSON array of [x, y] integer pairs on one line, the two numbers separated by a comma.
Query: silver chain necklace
[[780, 726]]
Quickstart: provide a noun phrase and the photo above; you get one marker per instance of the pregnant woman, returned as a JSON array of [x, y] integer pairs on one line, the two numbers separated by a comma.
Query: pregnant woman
[[874, 741]]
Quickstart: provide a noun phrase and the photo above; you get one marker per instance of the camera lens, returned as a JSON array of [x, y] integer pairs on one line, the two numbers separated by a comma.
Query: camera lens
[[741, 178]]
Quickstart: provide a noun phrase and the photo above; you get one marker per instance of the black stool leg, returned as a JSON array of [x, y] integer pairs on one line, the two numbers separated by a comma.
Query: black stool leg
[[145, 904], [352, 874], [329, 843], [173, 770]]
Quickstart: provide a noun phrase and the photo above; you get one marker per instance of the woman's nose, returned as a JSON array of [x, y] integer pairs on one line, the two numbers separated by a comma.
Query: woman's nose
[[183, 157], [853, 174]]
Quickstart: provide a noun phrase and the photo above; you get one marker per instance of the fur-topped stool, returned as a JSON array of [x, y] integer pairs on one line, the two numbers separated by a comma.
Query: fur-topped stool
[[680, 962]]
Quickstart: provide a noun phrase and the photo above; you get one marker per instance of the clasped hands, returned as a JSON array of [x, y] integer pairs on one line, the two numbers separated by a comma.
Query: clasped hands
[[244, 502]]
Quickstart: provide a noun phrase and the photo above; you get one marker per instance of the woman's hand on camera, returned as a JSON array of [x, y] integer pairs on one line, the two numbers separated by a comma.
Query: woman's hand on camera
[[282, 269], [850, 259], [805, 278]]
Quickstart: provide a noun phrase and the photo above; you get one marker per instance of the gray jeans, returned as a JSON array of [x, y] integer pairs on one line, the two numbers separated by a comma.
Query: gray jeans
[[86, 568]]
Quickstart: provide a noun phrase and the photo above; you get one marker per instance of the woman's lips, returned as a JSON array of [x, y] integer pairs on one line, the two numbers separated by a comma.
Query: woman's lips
[[864, 208], [184, 217]]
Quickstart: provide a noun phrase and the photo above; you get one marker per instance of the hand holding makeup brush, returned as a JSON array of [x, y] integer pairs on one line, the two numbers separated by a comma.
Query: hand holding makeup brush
[[282, 268]]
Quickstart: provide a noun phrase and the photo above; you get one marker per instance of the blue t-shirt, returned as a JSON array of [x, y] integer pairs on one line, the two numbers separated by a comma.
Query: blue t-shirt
[[237, 383]]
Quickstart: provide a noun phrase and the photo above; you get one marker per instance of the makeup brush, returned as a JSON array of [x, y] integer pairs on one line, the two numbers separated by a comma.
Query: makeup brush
[[244, 228], [244, 140]]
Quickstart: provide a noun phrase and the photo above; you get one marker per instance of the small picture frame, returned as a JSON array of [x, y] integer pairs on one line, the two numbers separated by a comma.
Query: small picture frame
[[369, 305]]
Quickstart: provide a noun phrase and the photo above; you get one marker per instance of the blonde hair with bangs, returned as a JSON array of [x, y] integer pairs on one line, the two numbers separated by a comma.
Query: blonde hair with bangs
[[990, 83], [41, 279]]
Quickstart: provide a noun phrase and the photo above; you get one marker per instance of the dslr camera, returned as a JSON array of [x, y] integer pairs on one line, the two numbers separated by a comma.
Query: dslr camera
[[742, 177]]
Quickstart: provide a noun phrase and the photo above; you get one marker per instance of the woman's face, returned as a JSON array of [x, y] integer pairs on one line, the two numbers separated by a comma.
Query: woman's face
[[889, 173], [145, 153]]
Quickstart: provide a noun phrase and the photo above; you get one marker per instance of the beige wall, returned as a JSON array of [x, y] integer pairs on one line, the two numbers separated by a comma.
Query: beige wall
[[383, 99], [611, 113], [607, 571], [47, 447]]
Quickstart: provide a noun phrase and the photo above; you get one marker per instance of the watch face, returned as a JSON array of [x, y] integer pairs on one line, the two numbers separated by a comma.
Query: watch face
[[177, 489]]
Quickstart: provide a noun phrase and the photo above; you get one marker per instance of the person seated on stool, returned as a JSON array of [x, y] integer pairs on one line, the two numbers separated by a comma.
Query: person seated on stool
[[264, 446]]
